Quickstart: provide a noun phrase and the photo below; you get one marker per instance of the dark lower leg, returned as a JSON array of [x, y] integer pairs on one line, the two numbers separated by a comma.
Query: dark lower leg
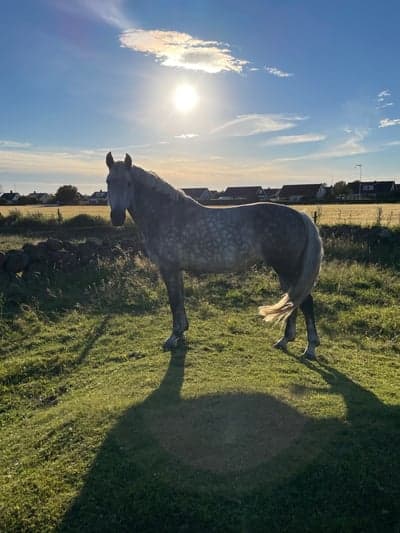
[[174, 282], [307, 308], [290, 332]]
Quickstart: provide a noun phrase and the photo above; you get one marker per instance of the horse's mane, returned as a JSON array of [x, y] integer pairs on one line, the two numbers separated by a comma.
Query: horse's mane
[[150, 180]]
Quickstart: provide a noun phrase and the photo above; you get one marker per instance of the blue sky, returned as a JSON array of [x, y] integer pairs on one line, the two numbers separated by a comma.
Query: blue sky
[[287, 91]]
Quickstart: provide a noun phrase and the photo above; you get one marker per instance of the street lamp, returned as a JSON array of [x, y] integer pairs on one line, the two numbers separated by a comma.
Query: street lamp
[[359, 165]]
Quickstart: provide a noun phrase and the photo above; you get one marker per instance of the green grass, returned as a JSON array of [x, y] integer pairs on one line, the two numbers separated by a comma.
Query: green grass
[[102, 431]]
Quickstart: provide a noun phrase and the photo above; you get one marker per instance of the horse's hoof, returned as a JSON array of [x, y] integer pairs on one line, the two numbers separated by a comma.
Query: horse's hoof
[[309, 355], [281, 345], [172, 342]]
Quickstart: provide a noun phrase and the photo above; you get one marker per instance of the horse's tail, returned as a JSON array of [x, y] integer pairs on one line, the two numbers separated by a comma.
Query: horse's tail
[[298, 292]]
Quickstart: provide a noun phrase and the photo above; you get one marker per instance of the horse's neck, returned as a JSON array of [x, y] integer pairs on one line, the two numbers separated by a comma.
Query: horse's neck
[[149, 207]]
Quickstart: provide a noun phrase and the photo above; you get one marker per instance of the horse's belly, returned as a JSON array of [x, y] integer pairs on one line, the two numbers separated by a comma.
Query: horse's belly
[[218, 260]]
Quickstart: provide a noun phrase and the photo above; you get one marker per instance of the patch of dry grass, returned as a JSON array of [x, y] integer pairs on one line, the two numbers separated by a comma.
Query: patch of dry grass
[[67, 211], [363, 214]]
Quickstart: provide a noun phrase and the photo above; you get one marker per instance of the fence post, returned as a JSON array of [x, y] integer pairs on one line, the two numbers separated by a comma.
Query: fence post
[[315, 217]]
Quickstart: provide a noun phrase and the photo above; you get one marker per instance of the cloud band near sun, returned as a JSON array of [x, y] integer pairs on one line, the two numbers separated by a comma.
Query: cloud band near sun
[[253, 124], [177, 49]]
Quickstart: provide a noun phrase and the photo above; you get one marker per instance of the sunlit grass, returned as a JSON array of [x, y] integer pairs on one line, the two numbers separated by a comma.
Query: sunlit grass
[[67, 211], [100, 431]]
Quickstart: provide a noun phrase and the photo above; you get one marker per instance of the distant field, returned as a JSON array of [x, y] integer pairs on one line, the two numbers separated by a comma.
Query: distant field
[[370, 214], [67, 211]]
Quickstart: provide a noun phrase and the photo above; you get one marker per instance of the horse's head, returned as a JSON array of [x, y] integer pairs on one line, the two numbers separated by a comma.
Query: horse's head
[[119, 185]]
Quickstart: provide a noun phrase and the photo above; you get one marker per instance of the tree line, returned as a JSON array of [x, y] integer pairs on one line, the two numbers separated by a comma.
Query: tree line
[[66, 194]]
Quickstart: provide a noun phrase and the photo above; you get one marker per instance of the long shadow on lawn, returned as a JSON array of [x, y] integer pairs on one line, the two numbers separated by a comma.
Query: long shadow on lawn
[[244, 462], [37, 370]]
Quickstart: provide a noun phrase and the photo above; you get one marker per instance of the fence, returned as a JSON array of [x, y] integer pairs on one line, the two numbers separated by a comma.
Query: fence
[[360, 214], [363, 215]]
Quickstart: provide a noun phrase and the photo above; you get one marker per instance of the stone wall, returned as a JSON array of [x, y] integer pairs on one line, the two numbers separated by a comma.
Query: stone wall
[[54, 254]]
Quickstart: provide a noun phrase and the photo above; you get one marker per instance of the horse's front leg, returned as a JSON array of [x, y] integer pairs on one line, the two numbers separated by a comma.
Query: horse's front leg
[[174, 281]]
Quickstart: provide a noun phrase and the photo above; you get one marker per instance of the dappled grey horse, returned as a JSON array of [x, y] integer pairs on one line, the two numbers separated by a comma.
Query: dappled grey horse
[[180, 234]]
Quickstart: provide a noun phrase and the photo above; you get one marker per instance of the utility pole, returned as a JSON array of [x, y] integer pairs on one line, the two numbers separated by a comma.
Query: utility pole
[[359, 165]]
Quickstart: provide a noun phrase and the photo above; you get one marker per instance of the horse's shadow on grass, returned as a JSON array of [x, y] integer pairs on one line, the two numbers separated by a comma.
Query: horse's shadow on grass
[[244, 462], [58, 366]]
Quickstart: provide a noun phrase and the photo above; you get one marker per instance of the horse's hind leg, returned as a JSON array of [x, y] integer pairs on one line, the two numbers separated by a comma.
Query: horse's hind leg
[[174, 282], [307, 308], [290, 332]]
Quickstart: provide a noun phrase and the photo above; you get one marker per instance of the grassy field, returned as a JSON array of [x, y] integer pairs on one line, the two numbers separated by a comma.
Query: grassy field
[[102, 431], [363, 214]]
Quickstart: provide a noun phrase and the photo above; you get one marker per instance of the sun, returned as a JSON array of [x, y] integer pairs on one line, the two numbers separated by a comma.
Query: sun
[[185, 98]]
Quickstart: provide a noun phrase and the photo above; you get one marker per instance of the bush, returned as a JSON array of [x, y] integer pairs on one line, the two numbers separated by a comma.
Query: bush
[[85, 220], [16, 219]]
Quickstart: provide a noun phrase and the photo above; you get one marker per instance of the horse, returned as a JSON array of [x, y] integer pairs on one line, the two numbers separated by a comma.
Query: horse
[[179, 234]]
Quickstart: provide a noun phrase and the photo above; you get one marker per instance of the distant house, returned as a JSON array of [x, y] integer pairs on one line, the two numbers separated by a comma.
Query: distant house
[[243, 194], [98, 198], [10, 197], [302, 193], [271, 194], [200, 194], [371, 190], [39, 197]]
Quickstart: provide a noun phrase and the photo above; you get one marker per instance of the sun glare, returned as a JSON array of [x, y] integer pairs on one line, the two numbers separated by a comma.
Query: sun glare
[[185, 98]]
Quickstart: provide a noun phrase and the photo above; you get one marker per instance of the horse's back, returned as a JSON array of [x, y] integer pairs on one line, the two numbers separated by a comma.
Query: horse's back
[[232, 238], [276, 221], [279, 230]]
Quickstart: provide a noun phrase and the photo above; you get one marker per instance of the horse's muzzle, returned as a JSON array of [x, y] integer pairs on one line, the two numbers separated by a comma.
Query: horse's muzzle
[[118, 217]]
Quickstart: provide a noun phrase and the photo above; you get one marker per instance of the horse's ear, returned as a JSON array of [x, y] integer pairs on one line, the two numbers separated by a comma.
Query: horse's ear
[[128, 161], [109, 160]]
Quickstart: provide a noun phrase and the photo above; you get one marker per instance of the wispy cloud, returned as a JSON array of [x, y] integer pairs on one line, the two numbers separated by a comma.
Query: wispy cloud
[[177, 49], [295, 139], [384, 94], [246, 125], [84, 168], [387, 122], [79, 163], [383, 99], [186, 136], [109, 11], [13, 144], [21, 159], [218, 172], [351, 146], [387, 104], [87, 170], [278, 72]]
